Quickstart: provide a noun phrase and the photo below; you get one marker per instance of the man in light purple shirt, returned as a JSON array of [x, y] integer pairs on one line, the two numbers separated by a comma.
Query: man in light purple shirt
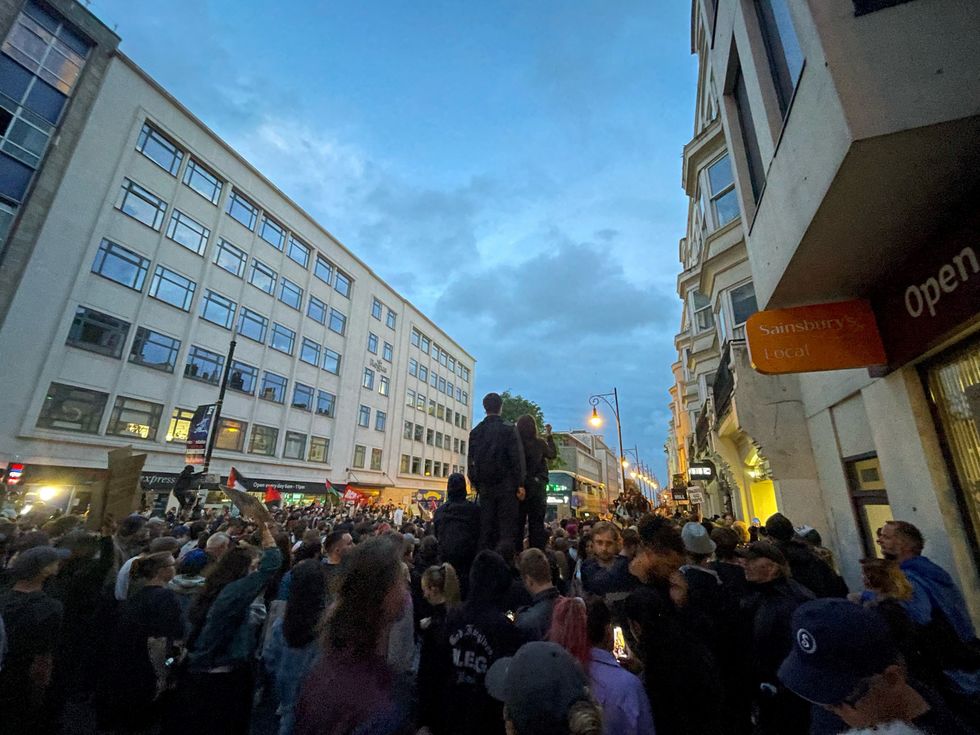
[[625, 707]]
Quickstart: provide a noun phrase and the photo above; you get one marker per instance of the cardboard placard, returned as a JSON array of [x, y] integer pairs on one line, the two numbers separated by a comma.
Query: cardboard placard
[[249, 506]]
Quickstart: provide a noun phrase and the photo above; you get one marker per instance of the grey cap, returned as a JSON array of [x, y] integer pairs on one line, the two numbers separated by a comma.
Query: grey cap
[[30, 562], [696, 539]]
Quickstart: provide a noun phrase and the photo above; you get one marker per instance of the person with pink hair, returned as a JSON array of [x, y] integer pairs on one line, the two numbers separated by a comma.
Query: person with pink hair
[[569, 628]]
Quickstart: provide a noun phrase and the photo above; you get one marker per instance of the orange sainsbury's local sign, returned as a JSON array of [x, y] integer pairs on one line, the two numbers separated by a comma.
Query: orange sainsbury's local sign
[[804, 339]]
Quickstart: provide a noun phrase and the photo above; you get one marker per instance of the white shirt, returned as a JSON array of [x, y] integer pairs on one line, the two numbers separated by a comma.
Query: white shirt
[[399, 517], [122, 579]]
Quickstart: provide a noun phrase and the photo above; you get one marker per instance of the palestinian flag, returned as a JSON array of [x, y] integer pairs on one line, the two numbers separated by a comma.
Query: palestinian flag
[[272, 497], [238, 481]]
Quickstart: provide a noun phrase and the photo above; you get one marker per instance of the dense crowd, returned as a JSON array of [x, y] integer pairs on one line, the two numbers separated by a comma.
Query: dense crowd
[[336, 620]]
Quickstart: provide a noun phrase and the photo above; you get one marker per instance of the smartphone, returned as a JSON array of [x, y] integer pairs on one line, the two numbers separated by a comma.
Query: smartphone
[[510, 615], [619, 643]]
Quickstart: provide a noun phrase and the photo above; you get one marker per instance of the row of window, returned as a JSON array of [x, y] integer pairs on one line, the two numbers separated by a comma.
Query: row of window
[[438, 410], [383, 382], [364, 418], [390, 317], [428, 468], [160, 149], [387, 352], [360, 455], [442, 385], [415, 432], [438, 354]]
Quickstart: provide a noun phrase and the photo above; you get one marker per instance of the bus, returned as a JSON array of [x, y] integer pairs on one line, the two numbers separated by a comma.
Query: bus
[[572, 495]]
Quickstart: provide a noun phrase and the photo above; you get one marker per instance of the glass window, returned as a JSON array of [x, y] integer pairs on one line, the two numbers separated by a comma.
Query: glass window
[[263, 440], [466, 374], [390, 319], [230, 435], [410, 398], [155, 146], [416, 466], [289, 293], [724, 201], [704, 319], [407, 430], [373, 344], [294, 446], [376, 309], [342, 284], [413, 366], [462, 446], [302, 397], [141, 204], [384, 385], [442, 385], [416, 337], [310, 352], [251, 324], [68, 408], [172, 288], [326, 403], [155, 350], [459, 393], [319, 449], [452, 365], [465, 399], [201, 180], [298, 251], [230, 258], [14, 178], [380, 420], [420, 402], [43, 44], [423, 373], [134, 418], [424, 345], [449, 389], [262, 276], [283, 338], [743, 303], [430, 437], [273, 233], [388, 352], [782, 47], [188, 232], [364, 416], [273, 387], [375, 459], [338, 322], [218, 309], [359, 455], [368, 380], [180, 425], [419, 432], [323, 270], [316, 310], [439, 439], [440, 412], [97, 332], [243, 377], [204, 365], [405, 464], [433, 379], [757, 173], [242, 209], [428, 467], [121, 265], [331, 361]]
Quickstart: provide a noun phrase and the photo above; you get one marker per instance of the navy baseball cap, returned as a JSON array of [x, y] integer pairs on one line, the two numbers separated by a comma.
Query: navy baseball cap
[[836, 644]]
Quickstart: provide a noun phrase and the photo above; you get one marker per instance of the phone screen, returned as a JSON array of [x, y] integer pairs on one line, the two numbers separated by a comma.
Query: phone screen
[[510, 615], [619, 643]]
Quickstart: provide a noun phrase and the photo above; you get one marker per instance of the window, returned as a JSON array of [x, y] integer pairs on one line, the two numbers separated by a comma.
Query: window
[[180, 425], [331, 361], [273, 387], [121, 265], [242, 210], [133, 418], [309, 352], [430, 436], [154, 350], [390, 319], [420, 402], [455, 444], [231, 435], [290, 294], [416, 337], [413, 366], [442, 385], [262, 276], [466, 374], [443, 358], [342, 284], [359, 454], [428, 467], [49, 48], [272, 232], [298, 251], [441, 412], [462, 447], [465, 401], [433, 379], [384, 385], [302, 397], [782, 47], [439, 439], [376, 309], [141, 204], [703, 317], [459, 393], [406, 463], [338, 322], [410, 398], [419, 432], [251, 324], [437, 469], [204, 365], [373, 344], [68, 408], [368, 380], [188, 232], [97, 332], [424, 344], [750, 141], [294, 446], [316, 310], [416, 466], [263, 440], [319, 449], [380, 420], [407, 430], [172, 288], [326, 403], [159, 149], [230, 258], [452, 365], [449, 389], [242, 377], [376, 459], [743, 304], [724, 201], [201, 180], [364, 416], [218, 309], [323, 270], [388, 352], [283, 338], [423, 373]]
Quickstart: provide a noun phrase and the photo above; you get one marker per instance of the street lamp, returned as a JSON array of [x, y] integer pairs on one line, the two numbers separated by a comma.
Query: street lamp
[[596, 421]]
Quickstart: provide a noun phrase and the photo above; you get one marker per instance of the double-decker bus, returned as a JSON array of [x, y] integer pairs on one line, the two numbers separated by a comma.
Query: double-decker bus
[[573, 495]]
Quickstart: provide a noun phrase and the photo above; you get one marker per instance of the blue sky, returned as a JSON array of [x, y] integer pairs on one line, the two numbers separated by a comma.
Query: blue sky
[[512, 168]]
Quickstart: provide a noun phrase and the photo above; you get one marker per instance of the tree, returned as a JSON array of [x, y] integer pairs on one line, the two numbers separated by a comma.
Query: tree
[[516, 406]]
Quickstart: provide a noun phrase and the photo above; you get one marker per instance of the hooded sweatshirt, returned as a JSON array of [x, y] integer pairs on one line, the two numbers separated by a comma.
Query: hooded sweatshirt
[[187, 587]]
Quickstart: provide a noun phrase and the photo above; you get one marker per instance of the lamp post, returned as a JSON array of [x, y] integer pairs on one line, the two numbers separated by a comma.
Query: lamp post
[[639, 474], [596, 421]]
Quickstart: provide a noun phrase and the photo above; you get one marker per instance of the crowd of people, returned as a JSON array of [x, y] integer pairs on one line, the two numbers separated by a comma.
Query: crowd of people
[[483, 619]]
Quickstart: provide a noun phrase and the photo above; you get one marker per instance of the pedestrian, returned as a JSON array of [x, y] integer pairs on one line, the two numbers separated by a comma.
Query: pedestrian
[[537, 452], [569, 629], [457, 527], [182, 487], [440, 586], [124, 577], [496, 469], [534, 620], [808, 569], [335, 547], [189, 583], [606, 571], [731, 573]]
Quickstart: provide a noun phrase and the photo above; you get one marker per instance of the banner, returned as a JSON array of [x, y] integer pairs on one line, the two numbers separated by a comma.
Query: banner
[[199, 434]]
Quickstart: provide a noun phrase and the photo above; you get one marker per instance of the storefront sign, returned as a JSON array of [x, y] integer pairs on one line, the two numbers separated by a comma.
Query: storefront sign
[[702, 470], [833, 336], [679, 493], [696, 496], [263, 485], [198, 434]]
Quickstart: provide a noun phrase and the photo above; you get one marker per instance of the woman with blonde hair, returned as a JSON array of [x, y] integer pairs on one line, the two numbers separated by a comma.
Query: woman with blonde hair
[[742, 530], [440, 585]]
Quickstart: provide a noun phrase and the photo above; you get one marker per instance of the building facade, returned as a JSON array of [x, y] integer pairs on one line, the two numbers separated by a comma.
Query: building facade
[[159, 246], [851, 129]]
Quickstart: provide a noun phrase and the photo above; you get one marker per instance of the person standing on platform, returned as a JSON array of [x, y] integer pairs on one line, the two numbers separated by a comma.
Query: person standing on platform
[[537, 452]]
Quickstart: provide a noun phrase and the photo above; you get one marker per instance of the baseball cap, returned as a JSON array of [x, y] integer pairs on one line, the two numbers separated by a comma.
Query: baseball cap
[[30, 562], [538, 685], [762, 550], [836, 644], [696, 539]]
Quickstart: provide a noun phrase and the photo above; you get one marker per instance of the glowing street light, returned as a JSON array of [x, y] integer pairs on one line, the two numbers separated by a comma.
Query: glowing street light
[[596, 419]]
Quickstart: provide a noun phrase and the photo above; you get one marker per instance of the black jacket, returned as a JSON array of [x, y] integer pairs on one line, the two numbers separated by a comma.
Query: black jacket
[[457, 526], [496, 455], [767, 612], [537, 452], [535, 619], [811, 571]]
